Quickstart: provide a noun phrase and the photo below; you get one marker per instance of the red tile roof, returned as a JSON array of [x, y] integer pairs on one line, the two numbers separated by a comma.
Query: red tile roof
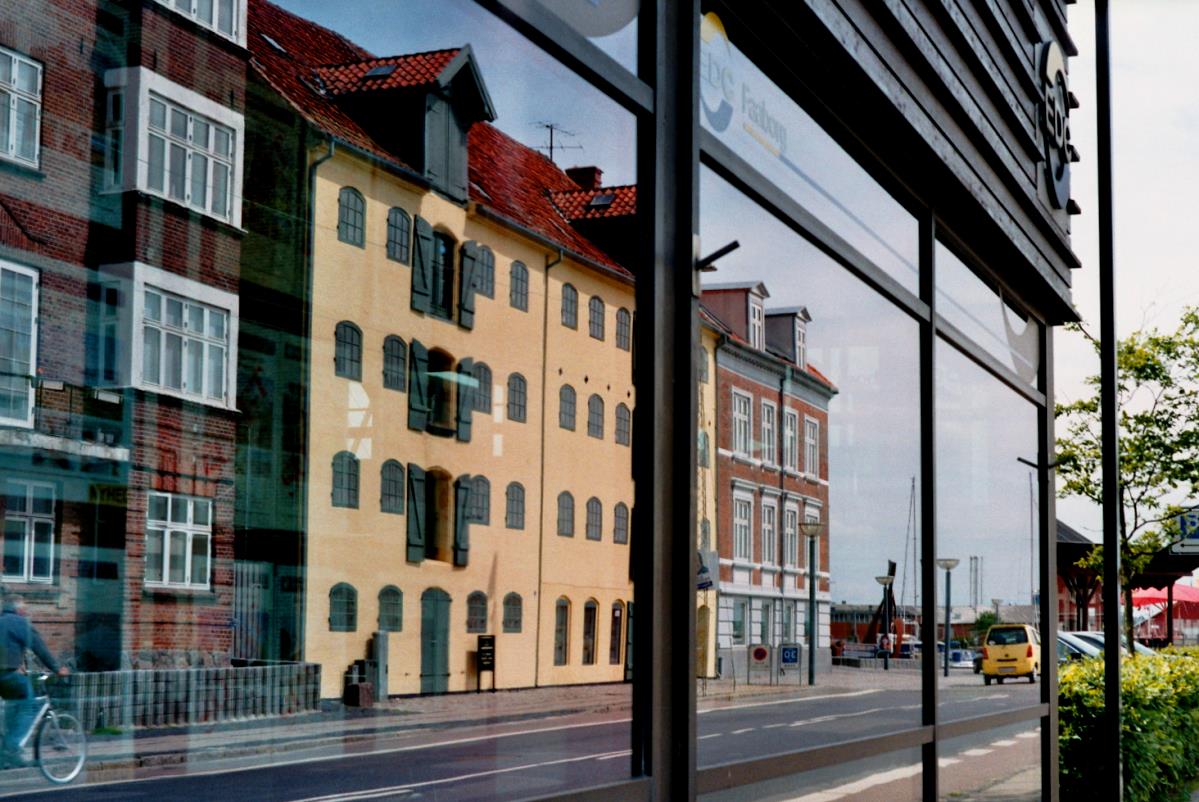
[[576, 204], [417, 69], [512, 180]]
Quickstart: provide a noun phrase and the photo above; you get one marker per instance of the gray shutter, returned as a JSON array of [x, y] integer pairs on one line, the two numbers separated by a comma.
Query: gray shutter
[[466, 286], [422, 264], [418, 386], [466, 397], [456, 155], [462, 488], [417, 514], [437, 113]]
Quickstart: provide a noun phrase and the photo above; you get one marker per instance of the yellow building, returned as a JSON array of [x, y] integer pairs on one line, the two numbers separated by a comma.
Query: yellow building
[[469, 383], [705, 503]]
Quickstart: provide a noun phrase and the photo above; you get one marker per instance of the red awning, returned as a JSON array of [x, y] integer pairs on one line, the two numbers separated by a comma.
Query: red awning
[[1182, 593]]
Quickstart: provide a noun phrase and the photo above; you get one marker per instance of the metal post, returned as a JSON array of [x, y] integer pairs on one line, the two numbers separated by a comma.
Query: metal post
[[1109, 739], [948, 631], [812, 639]]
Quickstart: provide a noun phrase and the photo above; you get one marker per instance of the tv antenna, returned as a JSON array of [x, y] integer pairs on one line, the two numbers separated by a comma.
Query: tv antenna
[[551, 147]]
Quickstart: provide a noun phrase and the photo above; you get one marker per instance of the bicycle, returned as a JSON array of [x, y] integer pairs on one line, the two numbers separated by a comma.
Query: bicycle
[[59, 742]]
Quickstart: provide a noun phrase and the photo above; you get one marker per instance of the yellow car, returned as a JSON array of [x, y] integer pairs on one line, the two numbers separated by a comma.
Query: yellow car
[[1011, 650]]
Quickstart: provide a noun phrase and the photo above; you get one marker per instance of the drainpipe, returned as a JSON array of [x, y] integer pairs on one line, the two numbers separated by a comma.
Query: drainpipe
[[545, 333]]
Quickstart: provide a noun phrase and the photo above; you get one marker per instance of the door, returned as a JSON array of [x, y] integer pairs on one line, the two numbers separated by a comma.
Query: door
[[434, 641], [628, 643]]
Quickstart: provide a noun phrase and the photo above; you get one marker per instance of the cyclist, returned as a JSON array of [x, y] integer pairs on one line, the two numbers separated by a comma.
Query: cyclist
[[17, 635]]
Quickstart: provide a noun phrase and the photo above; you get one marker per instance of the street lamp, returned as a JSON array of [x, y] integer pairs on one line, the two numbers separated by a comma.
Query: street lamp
[[811, 528], [886, 581], [948, 563]]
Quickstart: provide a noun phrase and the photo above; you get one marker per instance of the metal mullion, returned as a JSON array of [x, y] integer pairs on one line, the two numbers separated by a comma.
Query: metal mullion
[[712, 779], [722, 160], [1048, 548], [928, 502], [954, 336], [576, 52], [991, 721]]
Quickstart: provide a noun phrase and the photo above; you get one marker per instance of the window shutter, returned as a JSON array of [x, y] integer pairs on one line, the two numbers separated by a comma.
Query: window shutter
[[435, 140], [417, 515], [456, 155], [422, 265], [466, 397], [418, 387], [466, 287], [462, 487]]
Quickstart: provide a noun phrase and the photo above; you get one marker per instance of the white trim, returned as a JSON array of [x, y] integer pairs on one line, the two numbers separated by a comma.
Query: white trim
[[743, 497], [239, 19], [773, 506], [743, 486], [188, 528], [38, 100], [138, 83], [35, 330], [31, 518], [769, 448], [741, 395], [815, 474], [770, 491]]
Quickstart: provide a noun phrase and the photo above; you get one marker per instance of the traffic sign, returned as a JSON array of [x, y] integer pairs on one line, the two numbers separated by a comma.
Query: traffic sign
[[1188, 527], [759, 655], [789, 655]]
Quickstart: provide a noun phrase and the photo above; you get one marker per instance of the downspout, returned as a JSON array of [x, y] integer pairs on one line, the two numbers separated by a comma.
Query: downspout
[[306, 383], [545, 333]]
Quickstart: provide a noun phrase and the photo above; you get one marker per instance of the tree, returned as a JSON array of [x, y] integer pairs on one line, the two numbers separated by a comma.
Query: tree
[[1158, 399], [985, 621]]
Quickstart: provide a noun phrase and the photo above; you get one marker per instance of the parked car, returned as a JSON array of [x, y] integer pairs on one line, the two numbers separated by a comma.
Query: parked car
[[1097, 638], [1074, 647], [1011, 650]]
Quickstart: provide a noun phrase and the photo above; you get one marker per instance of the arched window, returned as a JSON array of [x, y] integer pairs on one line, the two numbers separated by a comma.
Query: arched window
[[345, 479], [703, 447], [518, 287], [343, 608], [485, 277], [620, 526], [351, 217], [518, 391], [347, 357], [595, 417], [624, 423], [441, 290], [482, 395], [616, 639], [391, 487], [476, 612], [590, 609], [595, 519], [399, 235], [570, 306], [391, 609], [624, 329], [595, 317], [478, 508], [514, 515], [513, 612], [566, 514], [441, 392], [561, 631], [395, 362], [566, 407]]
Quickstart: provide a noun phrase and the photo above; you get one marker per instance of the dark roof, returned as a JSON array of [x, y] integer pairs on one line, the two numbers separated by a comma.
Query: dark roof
[[1068, 534]]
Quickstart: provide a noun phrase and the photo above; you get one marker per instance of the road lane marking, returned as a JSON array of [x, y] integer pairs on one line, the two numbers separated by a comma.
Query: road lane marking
[[835, 716], [772, 726], [742, 731], [944, 762], [1004, 742], [615, 755], [858, 786], [710, 735], [976, 752], [846, 695], [1029, 734]]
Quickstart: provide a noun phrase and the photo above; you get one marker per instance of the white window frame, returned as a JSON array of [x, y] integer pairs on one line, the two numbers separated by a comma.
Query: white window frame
[[188, 529], [8, 147], [757, 323], [743, 423], [138, 87], [743, 527], [26, 421], [134, 279], [801, 343], [769, 432], [791, 535], [193, 12], [791, 439], [770, 515], [739, 605], [30, 520], [811, 450]]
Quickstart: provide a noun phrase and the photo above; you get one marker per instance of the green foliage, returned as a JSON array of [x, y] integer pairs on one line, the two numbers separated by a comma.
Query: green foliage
[[1159, 725], [984, 622]]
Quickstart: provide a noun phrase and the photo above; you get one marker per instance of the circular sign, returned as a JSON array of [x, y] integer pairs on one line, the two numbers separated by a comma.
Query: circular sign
[[759, 654], [595, 17], [1055, 124]]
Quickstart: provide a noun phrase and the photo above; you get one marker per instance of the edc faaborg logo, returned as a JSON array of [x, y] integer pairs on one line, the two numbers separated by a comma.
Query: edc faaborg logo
[[723, 93]]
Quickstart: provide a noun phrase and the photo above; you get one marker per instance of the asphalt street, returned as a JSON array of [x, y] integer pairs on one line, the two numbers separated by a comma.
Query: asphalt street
[[533, 758]]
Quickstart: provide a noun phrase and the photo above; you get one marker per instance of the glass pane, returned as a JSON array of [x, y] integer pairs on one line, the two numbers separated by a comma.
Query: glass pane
[[216, 371], [199, 195], [177, 559], [6, 63], [27, 76], [43, 550], [194, 349], [220, 188], [200, 133], [43, 500], [1003, 763], [225, 16], [151, 356], [154, 552], [611, 26], [158, 508], [199, 574], [987, 540], [178, 124], [216, 324], [5, 122], [153, 306], [222, 141], [843, 453], [892, 777], [173, 362], [201, 512], [177, 175], [180, 507], [748, 112], [14, 547], [26, 129], [174, 312], [204, 11], [157, 164]]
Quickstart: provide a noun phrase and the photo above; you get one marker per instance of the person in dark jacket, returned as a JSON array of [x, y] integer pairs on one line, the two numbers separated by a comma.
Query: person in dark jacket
[[18, 635]]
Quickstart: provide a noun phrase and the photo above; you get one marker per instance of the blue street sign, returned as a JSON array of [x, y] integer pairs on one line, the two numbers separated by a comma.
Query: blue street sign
[[790, 655], [1188, 523]]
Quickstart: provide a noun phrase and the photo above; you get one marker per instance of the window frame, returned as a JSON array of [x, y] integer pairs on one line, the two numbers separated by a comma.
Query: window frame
[[513, 613], [624, 425], [596, 311], [476, 613], [485, 272], [791, 548], [514, 506], [769, 532], [566, 514], [811, 454], [768, 429], [757, 322], [567, 408], [30, 519], [594, 529], [562, 631], [790, 439], [395, 363], [570, 306], [27, 420], [595, 416], [189, 529], [590, 632], [518, 286], [347, 355], [345, 466], [391, 610], [518, 398], [743, 524], [399, 235], [8, 149], [392, 503], [351, 221], [620, 523], [482, 397], [624, 329], [238, 19], [348, 620], [743, 422]]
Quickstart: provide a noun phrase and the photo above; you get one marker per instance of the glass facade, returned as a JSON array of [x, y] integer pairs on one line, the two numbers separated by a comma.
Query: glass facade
[[473, 399]]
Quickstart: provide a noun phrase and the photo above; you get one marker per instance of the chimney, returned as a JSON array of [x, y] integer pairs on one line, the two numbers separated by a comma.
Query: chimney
[[586, 177]]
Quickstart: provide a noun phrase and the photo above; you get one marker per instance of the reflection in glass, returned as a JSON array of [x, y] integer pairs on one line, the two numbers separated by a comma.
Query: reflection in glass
[[1003, 763], [891, 777]]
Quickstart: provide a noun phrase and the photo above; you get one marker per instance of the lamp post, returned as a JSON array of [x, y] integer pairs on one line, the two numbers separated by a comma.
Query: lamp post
[[948, 563], [811, 528], [886, 581]]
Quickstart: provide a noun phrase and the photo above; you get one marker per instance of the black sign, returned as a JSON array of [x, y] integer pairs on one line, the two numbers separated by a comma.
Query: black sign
[[486, 653], [1055, 125]]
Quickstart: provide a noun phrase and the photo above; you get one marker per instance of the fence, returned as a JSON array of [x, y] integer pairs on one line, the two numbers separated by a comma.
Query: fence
[[166, 697]]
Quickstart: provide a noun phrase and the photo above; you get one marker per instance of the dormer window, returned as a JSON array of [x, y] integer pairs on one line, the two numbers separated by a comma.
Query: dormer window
[[757, 328], [801, 343]]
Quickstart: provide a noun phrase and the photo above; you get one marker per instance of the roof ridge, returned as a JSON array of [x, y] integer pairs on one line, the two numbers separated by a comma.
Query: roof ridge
[[334, 65]]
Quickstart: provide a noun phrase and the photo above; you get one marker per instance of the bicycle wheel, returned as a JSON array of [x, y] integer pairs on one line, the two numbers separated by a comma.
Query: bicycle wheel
[[60, 747]]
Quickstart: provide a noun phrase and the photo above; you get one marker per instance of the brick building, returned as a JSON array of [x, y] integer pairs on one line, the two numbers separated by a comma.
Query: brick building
[[771, 459]]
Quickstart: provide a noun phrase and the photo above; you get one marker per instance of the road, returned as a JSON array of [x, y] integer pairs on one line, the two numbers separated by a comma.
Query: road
[[534, 758]]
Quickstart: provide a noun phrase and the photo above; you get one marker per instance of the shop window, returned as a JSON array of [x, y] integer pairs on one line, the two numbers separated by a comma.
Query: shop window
[[561, 631], [590, 609], [566, 407], [351, 217], [29, 532], [476, 612], [624, 329], [620, 528], [566, 514], [513, 613], [595, 519], [391, 609], [347, 357], [20, 107], [595, 417], [595, 317], [345, 480], [570, 306], [399, 235], [391, 478], [178, 541], [343, 608], [517, 398], [514, 514], [518, 287], [395, 363]]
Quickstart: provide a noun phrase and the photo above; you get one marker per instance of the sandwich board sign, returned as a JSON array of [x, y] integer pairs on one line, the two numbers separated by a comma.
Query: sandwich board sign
[[1188, 528]]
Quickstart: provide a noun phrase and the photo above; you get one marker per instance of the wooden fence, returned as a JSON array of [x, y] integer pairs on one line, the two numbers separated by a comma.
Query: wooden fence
[[176, 696]]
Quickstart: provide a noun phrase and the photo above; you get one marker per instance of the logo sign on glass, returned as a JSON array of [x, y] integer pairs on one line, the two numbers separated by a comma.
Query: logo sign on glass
[[1055, 125]]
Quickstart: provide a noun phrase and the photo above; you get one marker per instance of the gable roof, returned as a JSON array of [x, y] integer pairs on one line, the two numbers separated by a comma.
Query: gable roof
[[601, 202], [391, 72], [712, 321]]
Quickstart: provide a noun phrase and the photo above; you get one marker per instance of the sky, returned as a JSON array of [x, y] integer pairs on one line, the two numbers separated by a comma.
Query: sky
[[873, 446]]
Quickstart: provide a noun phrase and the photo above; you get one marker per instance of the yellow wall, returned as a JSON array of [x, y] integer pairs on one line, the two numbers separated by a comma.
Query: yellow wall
[[705, 507], [367, 548]]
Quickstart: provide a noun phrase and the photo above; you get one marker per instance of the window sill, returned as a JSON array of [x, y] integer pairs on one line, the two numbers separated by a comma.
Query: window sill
[[167, 593], [33, 592], [22, 168], [176, 207], [211, 403]]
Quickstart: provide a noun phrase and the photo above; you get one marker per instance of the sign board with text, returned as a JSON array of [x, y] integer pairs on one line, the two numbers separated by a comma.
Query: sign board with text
[[1188, 528]]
